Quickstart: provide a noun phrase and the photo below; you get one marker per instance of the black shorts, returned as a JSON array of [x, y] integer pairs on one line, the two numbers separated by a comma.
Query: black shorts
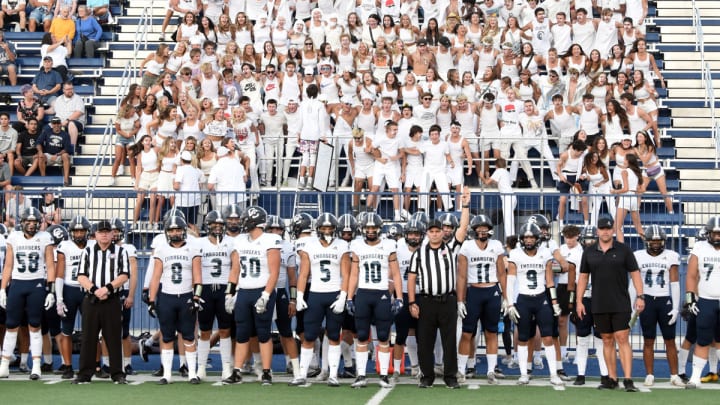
[[563, 297], [610, 322]]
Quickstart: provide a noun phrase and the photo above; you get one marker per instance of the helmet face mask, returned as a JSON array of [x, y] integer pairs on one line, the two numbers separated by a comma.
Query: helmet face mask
[[588, 236], [712, 231], [231, 215], [530, 236], [175, 230], [325, 226], [413, 238], [30, 221], [215, 224], [414, 232], [80, 229], [371, 227], [347, 227], [118, 230], [654, 240]]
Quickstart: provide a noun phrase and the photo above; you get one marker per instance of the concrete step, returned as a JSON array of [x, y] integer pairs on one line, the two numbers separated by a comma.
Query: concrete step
[[695, 153], [685, 93], [699, 174], [688, 65], [694, 83], [105, 181], [689, 56], [694, 143], [693, 122], [686, 12], [691, 112], [699, 185]]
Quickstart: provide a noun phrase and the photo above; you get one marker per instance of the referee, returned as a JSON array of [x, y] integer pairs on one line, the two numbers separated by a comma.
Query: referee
[[102, 272], [433, 269]]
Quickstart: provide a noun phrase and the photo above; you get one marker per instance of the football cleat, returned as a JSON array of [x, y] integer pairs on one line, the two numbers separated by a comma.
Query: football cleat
[[313, 372], [266, 378], [68, 373], [323, 376], [159, 372], [202, 372], [142, 350], [415, 371], [120, 381], [607, 383], [103, 372], [629, 385], [396, 377], [649, 380], [360, 382], [685, 379], [299, 382], [183, 370], [129, 370], [491, 379], [709, 377], [384, 382], [470, 372], [460, 377], [46, 368], [692, 385], [538, 363], [333, 382], [4, 368], [563, 376], [498, 373], [78, 381], [556, 380], [523, 380], [164, 381], [579, 380], [348, 372], [235, 378], [677, 381]]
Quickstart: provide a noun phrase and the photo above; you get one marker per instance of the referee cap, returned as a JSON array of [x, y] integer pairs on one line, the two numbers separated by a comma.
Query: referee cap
[[435, 223], [103, 225]]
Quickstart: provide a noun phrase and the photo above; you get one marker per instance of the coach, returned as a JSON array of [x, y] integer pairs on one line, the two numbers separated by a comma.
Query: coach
[[433, 268], [608, 262], [102, 272]]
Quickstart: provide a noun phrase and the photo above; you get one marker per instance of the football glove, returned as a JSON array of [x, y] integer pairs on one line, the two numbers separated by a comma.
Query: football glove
[[350, 307], [461, 310], [556, 310], [194, 305], [152, 310], [261, 303], [61, 309], [396, 306], [673, 316], [146, 296], [230, 303], [339, 305], [300, 304], [691, 303], [513, 313], [503, 307], [49, 301], [3, 298]]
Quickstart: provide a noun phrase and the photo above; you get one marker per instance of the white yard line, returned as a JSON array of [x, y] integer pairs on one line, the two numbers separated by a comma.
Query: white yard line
[[379, 396]]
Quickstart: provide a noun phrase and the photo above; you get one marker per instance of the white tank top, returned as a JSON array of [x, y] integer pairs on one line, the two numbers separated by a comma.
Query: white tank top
[[362, 158], [468, 123], [209, 87], [457, 153], [489, 121], [572, 165], [348, 89], [486, 59], [329, 89], [272, 89], [444, 62], [289, 89], [636, 123], [366, 122], [466, 64], [589, 121], [193, 130], [345, 60], [167, 129], [411, 96], [564, 122]]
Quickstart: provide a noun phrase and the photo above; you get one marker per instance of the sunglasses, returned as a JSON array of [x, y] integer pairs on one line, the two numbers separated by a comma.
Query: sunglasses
[[427, 98], [308, 43]]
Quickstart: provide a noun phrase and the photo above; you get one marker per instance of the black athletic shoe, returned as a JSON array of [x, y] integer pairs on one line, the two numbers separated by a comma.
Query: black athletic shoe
[[68, 373], [235, 377], [607, 383], [194, 381], [60, 370], [313, 372], [579, 380], [183, 370], [103, 372], [266, 378], [79, 381], [629, 385], [453, 384], [349, 372], [129, 370], [685, 379], [46, 368], [159, 372], [163, 381], [120, 381], [142, 350]]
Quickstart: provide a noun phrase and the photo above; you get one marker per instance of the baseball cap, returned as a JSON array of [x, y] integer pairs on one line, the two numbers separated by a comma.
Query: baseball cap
[[435, 223], [605, 223], [422, 42], [103, 225], [48, 58], [222, 151], [445, 41], [186, 156], [56, 120], [626, 136], [455, 123]]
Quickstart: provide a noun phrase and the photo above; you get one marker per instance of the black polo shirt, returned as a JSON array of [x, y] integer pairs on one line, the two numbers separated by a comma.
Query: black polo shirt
[[609, 275]]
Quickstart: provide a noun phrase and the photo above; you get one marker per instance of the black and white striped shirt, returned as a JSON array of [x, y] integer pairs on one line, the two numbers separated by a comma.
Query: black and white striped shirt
[[103, 266], [435, 269]]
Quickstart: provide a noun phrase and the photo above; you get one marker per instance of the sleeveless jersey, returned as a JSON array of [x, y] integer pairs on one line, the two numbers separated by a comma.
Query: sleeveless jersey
[[177, 277], [530, 270], [373, 263], [29, 255], [482, 263], [216, 260], [325, 273], [254, 272], [655, 271]]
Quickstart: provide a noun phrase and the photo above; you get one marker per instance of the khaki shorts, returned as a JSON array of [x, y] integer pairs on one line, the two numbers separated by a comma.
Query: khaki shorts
[[148, 181]]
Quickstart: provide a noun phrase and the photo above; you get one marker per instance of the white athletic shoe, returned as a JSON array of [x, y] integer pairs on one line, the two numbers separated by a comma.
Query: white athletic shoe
[[396, 377], [691, 385], [226, 370], [333, 382], [538, 363], [414, 371], [492, 380], [649, 380], [201, 372], [4, 368], [677, 381], [384, 382], [461, 378], [523, 380], [556, 380], [323, 376], [36, 372]]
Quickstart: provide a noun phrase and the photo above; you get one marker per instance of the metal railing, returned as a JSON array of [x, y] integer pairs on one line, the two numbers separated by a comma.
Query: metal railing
[[105, 151], [706, 81]]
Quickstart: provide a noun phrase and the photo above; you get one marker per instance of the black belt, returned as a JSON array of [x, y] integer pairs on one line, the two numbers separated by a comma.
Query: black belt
[[655, 298], [438, 298]]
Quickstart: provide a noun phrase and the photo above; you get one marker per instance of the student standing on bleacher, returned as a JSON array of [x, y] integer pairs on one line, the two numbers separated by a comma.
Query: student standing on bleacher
[[87, 34]]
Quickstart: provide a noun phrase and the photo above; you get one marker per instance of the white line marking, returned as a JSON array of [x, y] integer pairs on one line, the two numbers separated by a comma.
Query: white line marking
[[558, 387], [218, 384], [473, 387], [51, 382], [137, 382], [643, 389], [379, 396]]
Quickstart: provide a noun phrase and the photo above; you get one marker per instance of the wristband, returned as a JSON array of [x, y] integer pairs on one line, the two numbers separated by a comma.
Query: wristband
[[553, 293], [466, 206], [93, 289], [110, 288], [572, 296], [641, 297], [51, 287], [197, 290], [293, 293], [231, 288], [411, 303]]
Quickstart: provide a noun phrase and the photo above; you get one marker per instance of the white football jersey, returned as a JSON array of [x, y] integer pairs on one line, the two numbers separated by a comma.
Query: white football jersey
[[655, 271], [72, 253], [482, 263], [298, 245], [3, 249], [177, 267], [254, 272], [287, 260], [573, 256], [216, 260], [29, 255], [374, 264], [403, 257], [325, 272], [530, 270], [709, 270], [131, 252]]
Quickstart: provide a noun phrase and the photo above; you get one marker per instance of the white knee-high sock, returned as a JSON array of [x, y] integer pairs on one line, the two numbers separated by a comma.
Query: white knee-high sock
[[36, 342], [333, 356], [324, 359], [384, 359], [682, 360], [191, 358], [698, 367], [362, 359], [599, 345], [166, 359], [411, 349], [225, 350], [550, 357], [492, 362], [522, 353], [712, 360], [203, 351], [581, 353], [346, 351], [462, 360], [9, 344], [306, 356]]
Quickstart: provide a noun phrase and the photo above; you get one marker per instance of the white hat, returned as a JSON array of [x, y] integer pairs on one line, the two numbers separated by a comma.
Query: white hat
[[186, 156], [347, 99], [322, 98], [222, 151]]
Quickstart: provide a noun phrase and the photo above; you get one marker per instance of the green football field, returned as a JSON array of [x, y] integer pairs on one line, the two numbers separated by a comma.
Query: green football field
[[143, 390]]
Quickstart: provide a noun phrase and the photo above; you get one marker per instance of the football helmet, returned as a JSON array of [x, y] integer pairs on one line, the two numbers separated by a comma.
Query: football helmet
[[79, 229], [117, 225], [543, 223], [58, 233], [654, 240], [713, 226], [275, 222], [530, 231], [255, 217], [30, 220], [588, 235], [347, 224], [414, 232], [232, 214], [374, 222], [420, 216], [173, 212], [701, 234], [301, 223], [326, 220], [215, 224], [175, 222], [478, 221], [393, 231], [3, 230]]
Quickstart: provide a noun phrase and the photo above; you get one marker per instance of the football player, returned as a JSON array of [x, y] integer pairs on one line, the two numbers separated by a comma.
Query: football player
[[703, 296], [480, 281], [51, 319], [127, 295], [254, 281], [67, 288], [691, 331], [659, 272], [454, 231], [218, 255], [571, 251], [330, 258], [287, 281], [532, 267], [348, 231], [374, 263], [30, 268], [177, 265]]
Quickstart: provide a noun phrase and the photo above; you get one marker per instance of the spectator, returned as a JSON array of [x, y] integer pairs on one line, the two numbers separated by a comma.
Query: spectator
[[13, 12], [87, 34], [51, 208], [72, 6], [58, 49], [16, 204], [47, 82], [7, 56], [28, 108], [146, 177], [227, 177], [8, 139], [28, 157], [187, 182], [42, 14], [54, 144], [152, 66], [70, 108], [100, 9], [207, 158], [179, 8], [62, 28], [127, 126], [5, 176]]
